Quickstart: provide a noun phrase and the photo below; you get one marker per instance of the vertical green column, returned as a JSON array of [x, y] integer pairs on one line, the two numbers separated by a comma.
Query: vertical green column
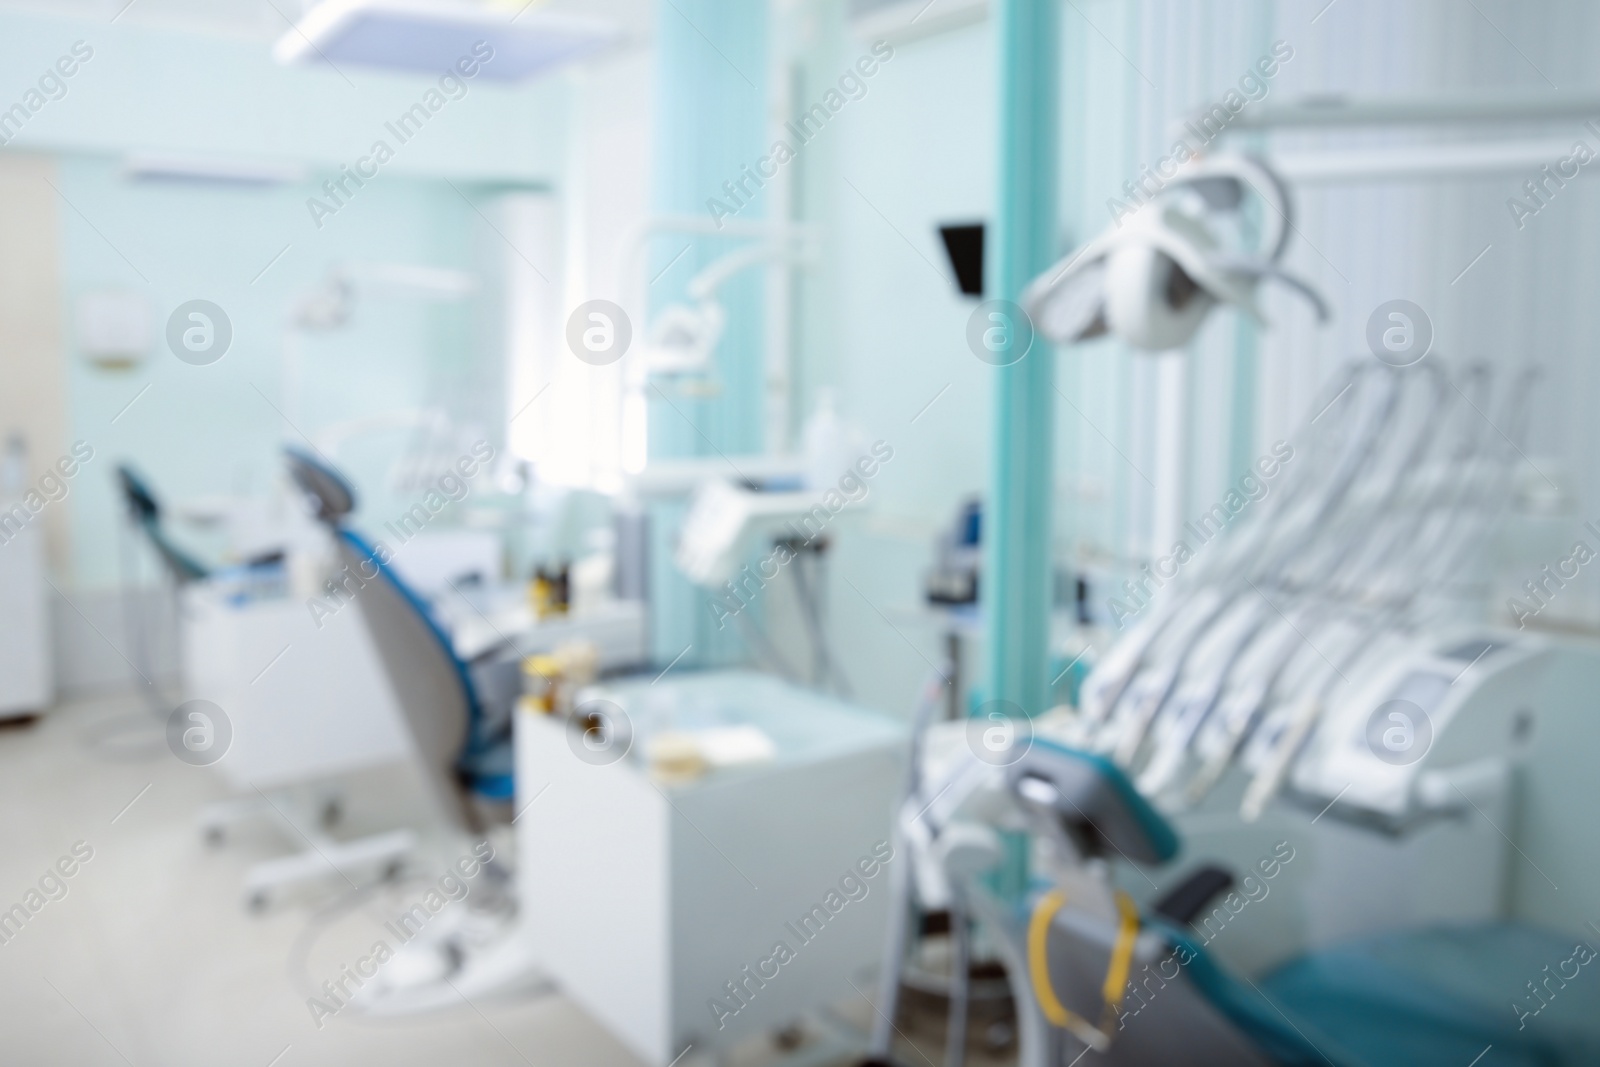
[[1017, 565], [710, 129]]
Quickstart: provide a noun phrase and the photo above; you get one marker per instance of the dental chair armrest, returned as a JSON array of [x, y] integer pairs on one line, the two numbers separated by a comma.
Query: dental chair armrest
[[1457, 790], [1190, 898], [501, 650]]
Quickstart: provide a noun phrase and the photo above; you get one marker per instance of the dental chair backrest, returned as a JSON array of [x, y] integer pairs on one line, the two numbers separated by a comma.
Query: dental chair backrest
[[1166, 1018], [1090, 799], [1181, 1007], [145, 512], [432, 685]]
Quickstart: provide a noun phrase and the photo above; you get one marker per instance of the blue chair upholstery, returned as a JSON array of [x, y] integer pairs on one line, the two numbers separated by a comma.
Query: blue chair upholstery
[[146, 511], [1445, 994], [433, 685]]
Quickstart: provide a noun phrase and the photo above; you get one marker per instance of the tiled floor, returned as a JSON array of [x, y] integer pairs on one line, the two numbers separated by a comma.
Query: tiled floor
[[150, 959]]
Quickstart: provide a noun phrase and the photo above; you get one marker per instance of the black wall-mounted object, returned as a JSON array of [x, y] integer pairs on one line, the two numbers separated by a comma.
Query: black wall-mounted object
[[963, 243], [1190, 898]]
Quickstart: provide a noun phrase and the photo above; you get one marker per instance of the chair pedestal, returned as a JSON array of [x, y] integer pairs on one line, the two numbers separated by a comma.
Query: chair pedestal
[[302, 816]]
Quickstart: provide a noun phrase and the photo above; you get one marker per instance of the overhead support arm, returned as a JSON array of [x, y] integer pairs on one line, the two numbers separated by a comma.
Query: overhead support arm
[[1457, 108]]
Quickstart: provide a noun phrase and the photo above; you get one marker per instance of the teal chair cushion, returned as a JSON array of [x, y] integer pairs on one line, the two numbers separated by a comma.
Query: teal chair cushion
[[1446, 994], [1246, 1007]]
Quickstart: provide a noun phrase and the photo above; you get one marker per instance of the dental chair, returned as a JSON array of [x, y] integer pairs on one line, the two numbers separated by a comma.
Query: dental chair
[[180, 568], [303, 810], [136, 733], [1097, 980], [464, 745], [459, 718], [145, 513]]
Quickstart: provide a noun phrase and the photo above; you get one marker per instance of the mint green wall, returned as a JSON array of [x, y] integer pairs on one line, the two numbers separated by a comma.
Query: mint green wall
[[883, 324], [915, 152], [879, 323], [213, 430], [159, 90], [710, 112], [205, 430]]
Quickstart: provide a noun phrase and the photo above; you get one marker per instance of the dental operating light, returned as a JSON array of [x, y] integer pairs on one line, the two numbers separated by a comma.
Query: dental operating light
[[683, 336], [1154, 276]]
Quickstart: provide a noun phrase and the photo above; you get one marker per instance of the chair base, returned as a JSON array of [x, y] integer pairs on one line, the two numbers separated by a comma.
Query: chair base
[[303, 816]]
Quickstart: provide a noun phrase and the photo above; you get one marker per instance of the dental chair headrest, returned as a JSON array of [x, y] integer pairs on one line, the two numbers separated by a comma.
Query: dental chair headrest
[[137, 495], [1093, 800], [145, 511], [330, 494]]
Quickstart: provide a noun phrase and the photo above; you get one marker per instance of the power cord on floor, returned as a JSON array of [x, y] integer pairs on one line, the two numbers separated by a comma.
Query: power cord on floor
[[827, 665]]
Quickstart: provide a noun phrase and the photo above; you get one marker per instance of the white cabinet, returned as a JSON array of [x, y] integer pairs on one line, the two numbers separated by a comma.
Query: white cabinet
[[305, 701], [645, 900], [27, 683]]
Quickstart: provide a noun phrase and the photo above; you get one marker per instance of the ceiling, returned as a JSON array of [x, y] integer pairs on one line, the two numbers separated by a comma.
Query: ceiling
[[266, 20]]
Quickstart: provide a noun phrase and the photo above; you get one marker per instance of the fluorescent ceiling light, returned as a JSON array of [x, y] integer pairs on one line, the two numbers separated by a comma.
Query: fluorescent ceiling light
[[899, 21], [429, 36], [158, 166]]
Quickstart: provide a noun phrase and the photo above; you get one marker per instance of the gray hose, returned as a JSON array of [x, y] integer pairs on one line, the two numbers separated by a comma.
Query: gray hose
[[763, 647], [894, 951], [955, 1041], [810, 596], [901, 909]]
